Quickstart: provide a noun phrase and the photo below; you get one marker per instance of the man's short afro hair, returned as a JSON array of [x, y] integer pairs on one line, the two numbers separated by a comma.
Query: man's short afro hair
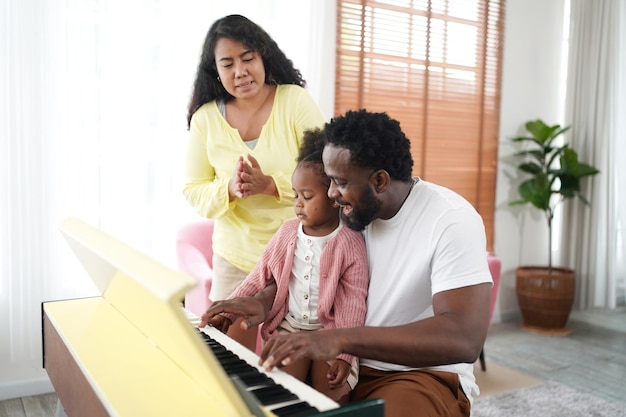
[[375, 141]]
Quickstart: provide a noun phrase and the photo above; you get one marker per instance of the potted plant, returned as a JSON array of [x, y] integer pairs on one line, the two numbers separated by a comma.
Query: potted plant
[[545, 294]]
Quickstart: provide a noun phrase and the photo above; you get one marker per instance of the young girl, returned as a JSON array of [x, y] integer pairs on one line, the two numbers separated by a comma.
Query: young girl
[[320, 268]]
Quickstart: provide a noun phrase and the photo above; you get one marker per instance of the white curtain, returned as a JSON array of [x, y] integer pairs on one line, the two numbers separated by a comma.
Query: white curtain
[[594, 235], [93, 97]]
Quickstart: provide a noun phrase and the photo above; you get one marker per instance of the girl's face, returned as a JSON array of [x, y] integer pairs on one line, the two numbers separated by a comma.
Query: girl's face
[[318, 213], [240, 69]]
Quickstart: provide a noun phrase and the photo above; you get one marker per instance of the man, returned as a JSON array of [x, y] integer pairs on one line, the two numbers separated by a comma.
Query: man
[[430, 287]]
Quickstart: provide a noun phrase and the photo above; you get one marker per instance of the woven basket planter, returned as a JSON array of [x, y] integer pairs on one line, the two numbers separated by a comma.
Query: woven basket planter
[[545, 298]]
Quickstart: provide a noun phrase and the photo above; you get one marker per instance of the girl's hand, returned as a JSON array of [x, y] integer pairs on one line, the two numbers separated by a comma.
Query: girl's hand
[[338, 373]]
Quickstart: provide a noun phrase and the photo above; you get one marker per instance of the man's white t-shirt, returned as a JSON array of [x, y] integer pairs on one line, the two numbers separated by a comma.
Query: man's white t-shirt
[[436, 242]]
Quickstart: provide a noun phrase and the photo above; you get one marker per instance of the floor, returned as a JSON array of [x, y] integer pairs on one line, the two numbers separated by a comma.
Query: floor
[[37, 406], [591, 359]]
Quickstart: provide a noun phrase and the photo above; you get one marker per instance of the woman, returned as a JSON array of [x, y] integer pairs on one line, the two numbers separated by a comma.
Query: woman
[[246, 119]]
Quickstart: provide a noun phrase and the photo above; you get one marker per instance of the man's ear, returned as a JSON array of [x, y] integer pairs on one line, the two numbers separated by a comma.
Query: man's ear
[[380, 180]]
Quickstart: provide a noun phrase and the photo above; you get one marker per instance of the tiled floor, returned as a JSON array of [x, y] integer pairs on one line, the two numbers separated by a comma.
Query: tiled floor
[[591, 359]]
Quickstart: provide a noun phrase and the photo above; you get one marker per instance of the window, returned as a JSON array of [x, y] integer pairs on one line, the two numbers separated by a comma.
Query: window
[[435, 66]]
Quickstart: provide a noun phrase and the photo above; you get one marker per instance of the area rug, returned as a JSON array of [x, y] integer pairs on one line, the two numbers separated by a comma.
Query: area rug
[[547, 399], [498, 379]]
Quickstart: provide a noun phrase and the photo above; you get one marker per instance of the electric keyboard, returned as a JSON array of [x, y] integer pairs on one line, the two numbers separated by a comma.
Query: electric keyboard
[[132, 351]]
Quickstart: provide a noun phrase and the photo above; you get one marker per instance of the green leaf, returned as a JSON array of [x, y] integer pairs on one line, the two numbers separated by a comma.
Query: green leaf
[[536, 191], [543, 133], [585, 170], [569, 160], [524, 139], [531, 168]]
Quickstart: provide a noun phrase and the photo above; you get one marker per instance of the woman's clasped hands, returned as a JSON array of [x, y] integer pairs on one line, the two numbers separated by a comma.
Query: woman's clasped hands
[[249, 179]]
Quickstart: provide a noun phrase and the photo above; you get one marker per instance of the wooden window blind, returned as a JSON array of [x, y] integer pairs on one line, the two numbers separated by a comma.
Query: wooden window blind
[[435, 66]]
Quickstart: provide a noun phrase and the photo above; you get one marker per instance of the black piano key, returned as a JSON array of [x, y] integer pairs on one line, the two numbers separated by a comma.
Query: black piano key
[[273, 395], [237, 369], [233, 362], [248, 375], [300, 409], [252, 379], [221, 352]]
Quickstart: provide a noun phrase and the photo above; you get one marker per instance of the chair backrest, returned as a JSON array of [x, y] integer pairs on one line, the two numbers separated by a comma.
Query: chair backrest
[[495, 267], [198, 234]]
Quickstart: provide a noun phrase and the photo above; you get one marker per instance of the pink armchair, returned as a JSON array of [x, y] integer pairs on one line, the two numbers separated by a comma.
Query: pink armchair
[[495, 267], [194, 251]]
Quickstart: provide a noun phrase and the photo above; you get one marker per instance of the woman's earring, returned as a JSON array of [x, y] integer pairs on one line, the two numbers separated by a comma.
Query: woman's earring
[[218, 79]]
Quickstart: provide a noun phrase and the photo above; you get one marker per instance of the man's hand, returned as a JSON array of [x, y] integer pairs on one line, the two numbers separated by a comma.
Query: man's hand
[[218, 321], [281, 350], [250, 308], [253, 309]]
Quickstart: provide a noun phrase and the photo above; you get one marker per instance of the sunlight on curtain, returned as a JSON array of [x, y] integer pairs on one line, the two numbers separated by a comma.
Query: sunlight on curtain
[[594, 236], [93, 124], [620, 155]]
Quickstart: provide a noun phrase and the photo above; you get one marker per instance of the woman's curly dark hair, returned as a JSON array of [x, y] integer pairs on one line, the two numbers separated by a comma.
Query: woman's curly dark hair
[[278, 68], [310, 154], [375, 141]]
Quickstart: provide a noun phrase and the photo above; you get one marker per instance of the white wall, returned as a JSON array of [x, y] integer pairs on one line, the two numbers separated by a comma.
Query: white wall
[[532, 84]]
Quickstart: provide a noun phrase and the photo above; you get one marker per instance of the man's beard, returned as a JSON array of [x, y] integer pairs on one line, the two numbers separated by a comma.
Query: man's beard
[[364, 212]]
